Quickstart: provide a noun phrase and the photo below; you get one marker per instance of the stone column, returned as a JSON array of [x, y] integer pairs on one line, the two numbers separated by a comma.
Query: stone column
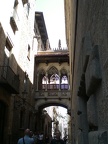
[[59, 81], [46, 81], [68, 81]]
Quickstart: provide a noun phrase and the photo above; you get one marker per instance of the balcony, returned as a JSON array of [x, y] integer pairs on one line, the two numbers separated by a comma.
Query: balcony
[[9, 80], [53, 86], [14, 19]]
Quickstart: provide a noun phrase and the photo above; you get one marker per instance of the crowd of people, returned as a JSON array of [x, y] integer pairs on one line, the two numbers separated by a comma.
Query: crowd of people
[[39, 138]]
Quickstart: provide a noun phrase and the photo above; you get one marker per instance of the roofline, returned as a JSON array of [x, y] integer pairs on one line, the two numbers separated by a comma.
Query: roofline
[[43, 21]]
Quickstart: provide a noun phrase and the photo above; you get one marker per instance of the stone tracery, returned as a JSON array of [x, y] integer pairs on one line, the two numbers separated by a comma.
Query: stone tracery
[[53, 78]]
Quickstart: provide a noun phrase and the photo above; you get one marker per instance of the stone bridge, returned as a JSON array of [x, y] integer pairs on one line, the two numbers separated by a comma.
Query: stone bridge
[[54, 97]]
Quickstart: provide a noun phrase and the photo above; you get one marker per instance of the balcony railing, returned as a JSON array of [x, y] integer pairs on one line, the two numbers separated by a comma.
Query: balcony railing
[[54, 86], [9, 80]]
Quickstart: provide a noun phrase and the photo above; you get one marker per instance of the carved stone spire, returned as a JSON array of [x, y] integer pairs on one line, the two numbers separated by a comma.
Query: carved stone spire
[[59, 44]]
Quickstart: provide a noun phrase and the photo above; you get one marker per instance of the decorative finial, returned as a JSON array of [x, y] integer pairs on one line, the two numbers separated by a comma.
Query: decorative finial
[[59, 44]]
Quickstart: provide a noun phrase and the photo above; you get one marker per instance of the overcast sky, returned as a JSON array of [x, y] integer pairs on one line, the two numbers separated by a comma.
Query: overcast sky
[[53, 11]]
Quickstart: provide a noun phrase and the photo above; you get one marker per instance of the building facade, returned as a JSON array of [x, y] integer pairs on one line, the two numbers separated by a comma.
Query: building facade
[[17, 48], [86, 33], [21, 103]]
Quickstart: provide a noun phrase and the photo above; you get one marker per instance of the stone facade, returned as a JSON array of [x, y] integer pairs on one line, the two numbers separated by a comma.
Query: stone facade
[[51, 96], [17, 49], [86, 30], [19, 42]]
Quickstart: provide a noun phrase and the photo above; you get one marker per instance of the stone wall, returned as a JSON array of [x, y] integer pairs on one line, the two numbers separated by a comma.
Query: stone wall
[[91, 20]]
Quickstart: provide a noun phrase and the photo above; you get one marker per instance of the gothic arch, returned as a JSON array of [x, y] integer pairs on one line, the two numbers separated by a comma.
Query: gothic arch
[[41, 71], [63, 71], [52, 70], [42, 104]]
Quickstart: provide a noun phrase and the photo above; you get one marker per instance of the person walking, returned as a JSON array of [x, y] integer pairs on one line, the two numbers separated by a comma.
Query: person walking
[[35, 137], [26, 139], [41, 138], [57, 139]]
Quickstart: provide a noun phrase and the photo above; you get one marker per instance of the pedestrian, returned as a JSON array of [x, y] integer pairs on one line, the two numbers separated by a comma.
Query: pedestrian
[[35, 137], [26, 139], [57, 139], [31, 136], [40, 138]]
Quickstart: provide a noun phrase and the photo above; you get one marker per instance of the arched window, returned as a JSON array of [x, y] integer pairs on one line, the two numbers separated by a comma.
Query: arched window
[[54, 79], [64, 80], [64, 83], [44, 82], [54, 82]]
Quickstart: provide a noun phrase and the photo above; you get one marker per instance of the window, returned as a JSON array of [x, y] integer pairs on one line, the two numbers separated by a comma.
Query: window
[[64, 80], [44, 82], [14, 19], [64, 83], [8, 48], [52, 81], [9, 44]]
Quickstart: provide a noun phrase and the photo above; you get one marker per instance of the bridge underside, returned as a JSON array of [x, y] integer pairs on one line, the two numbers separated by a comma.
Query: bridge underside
[[42, 103]]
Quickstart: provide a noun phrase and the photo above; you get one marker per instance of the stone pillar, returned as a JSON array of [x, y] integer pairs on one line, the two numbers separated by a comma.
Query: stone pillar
[[59, 81], [68, 81], [46, 81]]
